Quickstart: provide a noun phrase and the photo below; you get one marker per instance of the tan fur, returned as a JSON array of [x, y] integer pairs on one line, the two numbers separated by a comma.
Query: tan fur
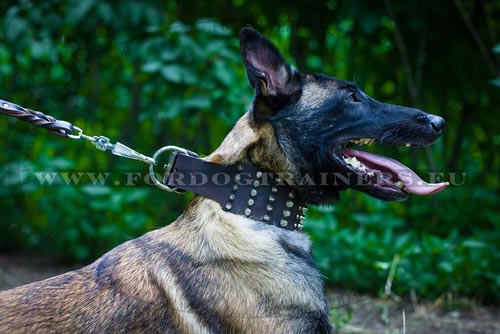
[[239, 270], [258, 142]]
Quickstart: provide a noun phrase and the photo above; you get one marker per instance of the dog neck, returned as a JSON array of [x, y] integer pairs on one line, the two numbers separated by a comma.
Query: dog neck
[[240, 188]]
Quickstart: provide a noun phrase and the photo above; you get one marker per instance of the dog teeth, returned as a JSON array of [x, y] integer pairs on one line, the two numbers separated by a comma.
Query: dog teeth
[[355, 163], [408, 144], [351, 160]]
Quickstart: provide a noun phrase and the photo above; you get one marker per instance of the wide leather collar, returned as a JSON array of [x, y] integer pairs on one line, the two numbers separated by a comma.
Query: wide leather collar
[[242, 189]]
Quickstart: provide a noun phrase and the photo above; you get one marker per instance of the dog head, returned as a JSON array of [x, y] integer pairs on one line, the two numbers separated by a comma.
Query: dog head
[[314, 121]]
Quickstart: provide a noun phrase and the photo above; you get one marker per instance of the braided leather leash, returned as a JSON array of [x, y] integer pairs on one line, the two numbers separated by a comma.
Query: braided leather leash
[[66, 130], [49, 123]]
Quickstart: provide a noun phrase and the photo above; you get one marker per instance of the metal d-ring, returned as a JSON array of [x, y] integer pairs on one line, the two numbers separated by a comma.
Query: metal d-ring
[[80, 135], [170, 148]]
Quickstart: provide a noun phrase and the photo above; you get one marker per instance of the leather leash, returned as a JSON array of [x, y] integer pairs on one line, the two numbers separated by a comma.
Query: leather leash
[[242, 189], [59, 128]]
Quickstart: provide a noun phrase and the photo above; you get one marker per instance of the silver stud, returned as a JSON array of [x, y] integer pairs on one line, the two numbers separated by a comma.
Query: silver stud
[[299, 227], [274, 189], [259, 174], [266, 218], [304, 209], [283, 223], [236, 187], [237, 178], [250, 202], [253, 193], [286, 213], [271, 198], [256, 183], [229, 206], [278, 180], [248, 212], [269, 208], [289, 204], [291, 194], [232, 197], [301, 218], [241, 168]]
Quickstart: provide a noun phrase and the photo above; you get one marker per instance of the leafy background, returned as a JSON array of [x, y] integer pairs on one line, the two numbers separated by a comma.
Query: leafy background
[[149, 74]]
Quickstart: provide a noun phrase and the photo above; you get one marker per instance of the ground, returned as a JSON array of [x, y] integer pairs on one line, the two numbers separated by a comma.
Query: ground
[[356, 313], [351, 312]]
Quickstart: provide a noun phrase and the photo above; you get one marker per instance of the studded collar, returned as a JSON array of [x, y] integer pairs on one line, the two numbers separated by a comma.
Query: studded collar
[[242, 189]]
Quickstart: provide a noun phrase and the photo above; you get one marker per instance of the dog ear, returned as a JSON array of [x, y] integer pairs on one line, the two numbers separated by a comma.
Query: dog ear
[[272, 78]]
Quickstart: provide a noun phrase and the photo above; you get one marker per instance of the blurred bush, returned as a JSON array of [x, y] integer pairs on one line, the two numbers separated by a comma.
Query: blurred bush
[[141, 80], [149, 74]]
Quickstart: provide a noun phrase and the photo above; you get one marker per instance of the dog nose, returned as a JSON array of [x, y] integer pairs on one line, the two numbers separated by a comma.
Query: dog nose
[[437, 123]]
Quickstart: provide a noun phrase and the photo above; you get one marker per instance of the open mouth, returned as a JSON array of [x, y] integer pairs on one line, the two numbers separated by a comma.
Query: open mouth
[[383, 177]]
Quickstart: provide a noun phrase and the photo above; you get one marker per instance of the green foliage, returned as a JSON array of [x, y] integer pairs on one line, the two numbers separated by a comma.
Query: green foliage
[[155, 83], [149, 74], [364, 247]]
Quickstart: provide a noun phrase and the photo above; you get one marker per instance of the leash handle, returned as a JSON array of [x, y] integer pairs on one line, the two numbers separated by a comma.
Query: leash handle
[[49, 123]]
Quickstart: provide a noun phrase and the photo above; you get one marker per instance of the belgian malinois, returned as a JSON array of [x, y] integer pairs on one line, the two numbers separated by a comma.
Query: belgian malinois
[[215, 271]]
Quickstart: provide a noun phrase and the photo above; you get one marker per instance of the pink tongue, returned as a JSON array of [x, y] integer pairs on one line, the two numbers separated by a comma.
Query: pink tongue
[[412, 182]]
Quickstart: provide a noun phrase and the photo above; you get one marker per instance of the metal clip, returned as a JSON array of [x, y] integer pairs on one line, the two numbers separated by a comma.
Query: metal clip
[[103, 143], [126, 152]]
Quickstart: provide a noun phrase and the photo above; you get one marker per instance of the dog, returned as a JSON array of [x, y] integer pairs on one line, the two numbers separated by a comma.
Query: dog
[[216, 271]]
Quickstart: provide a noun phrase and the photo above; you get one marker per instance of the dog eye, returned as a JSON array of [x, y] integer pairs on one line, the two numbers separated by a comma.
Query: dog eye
[[351, 98]]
